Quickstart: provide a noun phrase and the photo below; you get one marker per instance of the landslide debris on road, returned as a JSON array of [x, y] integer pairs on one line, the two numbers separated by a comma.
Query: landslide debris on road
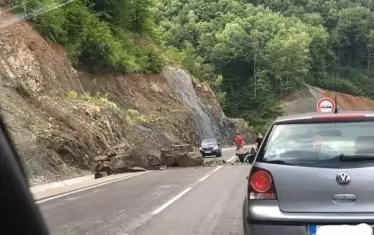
[[61, 118], [181, 156], [220, 162], [124, 158], [214, 162]]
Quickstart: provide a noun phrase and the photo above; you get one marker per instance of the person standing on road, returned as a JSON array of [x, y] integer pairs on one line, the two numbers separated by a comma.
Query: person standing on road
[[259, 140], [239, 141]]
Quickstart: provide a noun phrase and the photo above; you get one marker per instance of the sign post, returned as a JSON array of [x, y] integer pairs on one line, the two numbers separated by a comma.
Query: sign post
[[326, 105]]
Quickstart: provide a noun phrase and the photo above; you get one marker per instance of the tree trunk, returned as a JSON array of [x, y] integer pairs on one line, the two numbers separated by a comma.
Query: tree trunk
[[254, 73], [369, 59]]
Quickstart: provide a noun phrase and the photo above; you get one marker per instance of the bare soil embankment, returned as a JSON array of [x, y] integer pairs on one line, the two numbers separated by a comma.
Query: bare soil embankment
[[60, 119]]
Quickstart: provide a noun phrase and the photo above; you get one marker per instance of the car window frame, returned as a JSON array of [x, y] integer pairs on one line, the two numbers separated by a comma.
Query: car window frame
[[261, 151], [17, 200], [210, 143]]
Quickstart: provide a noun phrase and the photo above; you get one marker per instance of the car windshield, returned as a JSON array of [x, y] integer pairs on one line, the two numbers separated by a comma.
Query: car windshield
[[319, 141], [209, 142]]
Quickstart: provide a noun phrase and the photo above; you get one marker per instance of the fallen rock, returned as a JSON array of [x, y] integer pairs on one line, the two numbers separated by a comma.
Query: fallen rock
[[118, 164], [154, 162], [100, 175], [183, 148], [101, 158], [214, 162], [95, 167], [190, 159], [181, 156], [136, 169], [169, 157], [104, 167], [124, 158], [120, 149]]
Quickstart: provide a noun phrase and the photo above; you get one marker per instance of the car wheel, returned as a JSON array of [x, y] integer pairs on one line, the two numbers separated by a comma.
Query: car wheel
[[219, 155]]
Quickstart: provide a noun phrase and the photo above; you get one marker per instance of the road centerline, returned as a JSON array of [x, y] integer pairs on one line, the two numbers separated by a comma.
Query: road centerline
[[231, 158], [171, 201], [203, 178], [175, 198]]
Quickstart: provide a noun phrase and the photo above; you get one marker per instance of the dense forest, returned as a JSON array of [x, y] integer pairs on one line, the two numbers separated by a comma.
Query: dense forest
[[253, 52], [109, 35]]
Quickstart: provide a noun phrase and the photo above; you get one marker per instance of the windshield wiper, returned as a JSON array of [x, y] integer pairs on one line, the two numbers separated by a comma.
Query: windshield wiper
[[277, 162], [356, 157]]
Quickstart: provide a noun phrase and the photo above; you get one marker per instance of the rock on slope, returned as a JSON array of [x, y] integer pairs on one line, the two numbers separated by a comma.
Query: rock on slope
[[61, 119]]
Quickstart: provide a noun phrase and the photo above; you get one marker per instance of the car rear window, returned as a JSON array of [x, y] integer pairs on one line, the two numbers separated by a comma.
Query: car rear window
[[209, 141], [318, 141]]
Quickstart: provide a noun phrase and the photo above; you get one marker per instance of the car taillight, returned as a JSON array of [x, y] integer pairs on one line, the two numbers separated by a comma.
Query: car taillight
[[261, 186]]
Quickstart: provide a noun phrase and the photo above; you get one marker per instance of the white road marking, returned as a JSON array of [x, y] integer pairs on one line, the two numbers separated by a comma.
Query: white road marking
[[89, 187], [204, 178], [174, 199], [231, 158], [171, 201], [217, 168]]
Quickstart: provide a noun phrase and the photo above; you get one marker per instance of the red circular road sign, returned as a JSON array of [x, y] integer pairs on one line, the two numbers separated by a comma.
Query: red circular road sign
[[326, 105]]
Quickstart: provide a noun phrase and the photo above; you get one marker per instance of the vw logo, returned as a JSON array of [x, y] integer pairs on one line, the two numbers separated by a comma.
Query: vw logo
[[343, 179]]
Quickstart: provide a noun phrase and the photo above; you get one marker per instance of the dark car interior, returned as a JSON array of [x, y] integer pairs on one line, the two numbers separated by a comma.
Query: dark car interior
[[364, 145], [20, 214]]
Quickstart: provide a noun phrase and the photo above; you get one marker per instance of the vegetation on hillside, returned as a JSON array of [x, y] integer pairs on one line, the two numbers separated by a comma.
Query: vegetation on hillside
[[257, 51], [109, 35], [254, 52]]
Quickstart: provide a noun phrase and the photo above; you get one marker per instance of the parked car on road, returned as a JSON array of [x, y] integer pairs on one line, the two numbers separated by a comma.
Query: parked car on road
[[210, 147], [313, 172]]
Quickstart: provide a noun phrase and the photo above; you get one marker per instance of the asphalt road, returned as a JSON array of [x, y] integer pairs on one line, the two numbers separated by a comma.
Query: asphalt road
[[202, 200]]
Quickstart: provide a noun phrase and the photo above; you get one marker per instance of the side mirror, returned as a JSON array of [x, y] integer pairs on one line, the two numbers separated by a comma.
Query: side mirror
[[250, 158]]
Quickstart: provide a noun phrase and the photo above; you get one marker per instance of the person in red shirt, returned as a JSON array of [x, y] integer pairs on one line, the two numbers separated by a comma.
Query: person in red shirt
[[239, 141]]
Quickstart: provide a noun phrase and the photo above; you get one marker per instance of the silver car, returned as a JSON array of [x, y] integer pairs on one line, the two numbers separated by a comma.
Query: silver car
[[313, 173]]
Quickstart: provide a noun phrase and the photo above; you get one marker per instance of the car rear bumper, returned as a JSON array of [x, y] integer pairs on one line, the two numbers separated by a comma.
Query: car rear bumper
[[268, 210], [277, 229], [211, 153], [265, 218], [260, 229]]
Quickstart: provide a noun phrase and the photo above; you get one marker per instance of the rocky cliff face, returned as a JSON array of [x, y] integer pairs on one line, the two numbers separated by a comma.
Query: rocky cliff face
[[224, 128], [60, 118]]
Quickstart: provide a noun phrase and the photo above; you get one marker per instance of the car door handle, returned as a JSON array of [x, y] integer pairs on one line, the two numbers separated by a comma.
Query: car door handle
[[344, 198]]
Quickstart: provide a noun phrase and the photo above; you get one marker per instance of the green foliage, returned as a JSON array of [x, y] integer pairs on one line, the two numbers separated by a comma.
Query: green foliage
[[98, 99], [100, 34], [258, 55], [253, 52]]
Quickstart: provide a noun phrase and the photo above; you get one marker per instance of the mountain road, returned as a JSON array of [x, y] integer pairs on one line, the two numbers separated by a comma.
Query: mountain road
[[200, 200]]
